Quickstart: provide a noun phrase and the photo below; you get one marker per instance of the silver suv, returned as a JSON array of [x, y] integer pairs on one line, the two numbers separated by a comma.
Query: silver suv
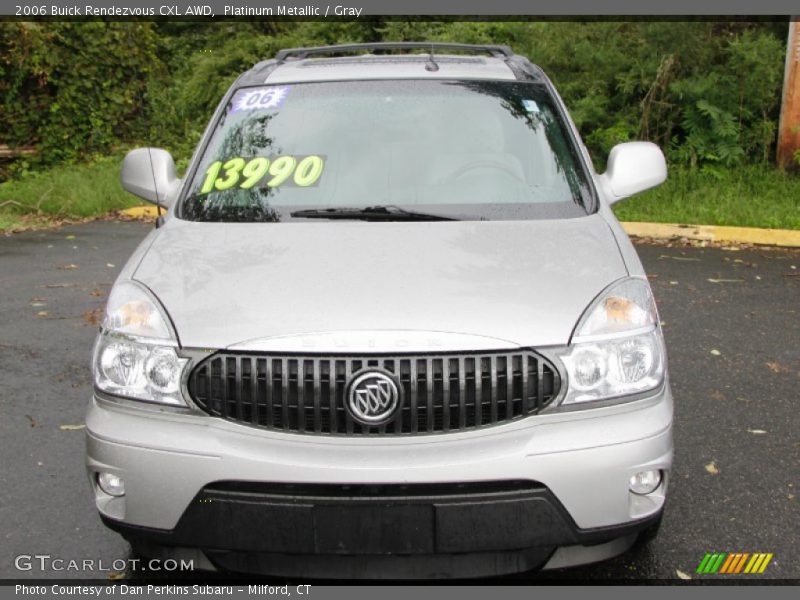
[[388, 327]]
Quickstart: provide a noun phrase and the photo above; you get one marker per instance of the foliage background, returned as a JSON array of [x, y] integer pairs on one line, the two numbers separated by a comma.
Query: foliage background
[[707, 92]]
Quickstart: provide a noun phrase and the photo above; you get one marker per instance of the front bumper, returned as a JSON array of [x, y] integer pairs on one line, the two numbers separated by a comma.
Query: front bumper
[[196, 481]]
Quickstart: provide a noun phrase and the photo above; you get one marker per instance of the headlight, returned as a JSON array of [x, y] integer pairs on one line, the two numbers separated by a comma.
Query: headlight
[[134, 355], [617, 348]]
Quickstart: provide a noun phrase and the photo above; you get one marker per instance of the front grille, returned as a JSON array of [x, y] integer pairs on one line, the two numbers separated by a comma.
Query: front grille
[[439, 393]]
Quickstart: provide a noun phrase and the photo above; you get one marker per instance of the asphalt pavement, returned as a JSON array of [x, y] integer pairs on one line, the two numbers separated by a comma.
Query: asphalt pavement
[[732, 324]]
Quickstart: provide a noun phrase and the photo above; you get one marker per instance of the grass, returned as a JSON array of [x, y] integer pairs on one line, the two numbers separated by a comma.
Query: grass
[[63, 192], [752, 196]]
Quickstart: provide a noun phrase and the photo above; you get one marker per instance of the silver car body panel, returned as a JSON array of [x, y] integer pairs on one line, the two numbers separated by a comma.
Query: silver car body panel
[[511, 283]]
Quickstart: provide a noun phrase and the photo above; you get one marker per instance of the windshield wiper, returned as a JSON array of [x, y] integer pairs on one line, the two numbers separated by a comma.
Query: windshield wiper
[[388, 212]]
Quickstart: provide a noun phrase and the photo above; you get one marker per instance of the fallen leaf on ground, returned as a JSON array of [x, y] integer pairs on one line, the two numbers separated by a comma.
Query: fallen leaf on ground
[[715, 352], [68, 267], [42, 313], [96, 293], [59, 285], [712, 468], [71, 427], [32, 420], [93, 317], [110, 265], [712, 280], [679, 258], [682, 575], [776, 367], [70, 237], [116, 575], [756, 431], [717, 395], [38, 304]]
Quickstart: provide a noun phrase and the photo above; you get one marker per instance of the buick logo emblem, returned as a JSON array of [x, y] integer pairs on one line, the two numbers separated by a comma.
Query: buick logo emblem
[[373, 398]]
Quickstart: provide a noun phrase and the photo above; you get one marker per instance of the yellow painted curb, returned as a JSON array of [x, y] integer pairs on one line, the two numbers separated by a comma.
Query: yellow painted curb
[[715, 233], [141, 211]]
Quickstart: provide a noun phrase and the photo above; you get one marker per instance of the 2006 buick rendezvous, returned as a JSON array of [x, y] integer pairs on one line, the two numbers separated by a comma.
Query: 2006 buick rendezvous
[[388, 327]]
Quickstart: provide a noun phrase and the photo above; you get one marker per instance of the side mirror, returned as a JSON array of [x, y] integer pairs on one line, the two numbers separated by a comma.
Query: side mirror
[[634, 167], [150, 174]]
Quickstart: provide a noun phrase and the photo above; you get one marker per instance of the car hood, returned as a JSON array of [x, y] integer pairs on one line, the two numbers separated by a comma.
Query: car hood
[[355, 285]]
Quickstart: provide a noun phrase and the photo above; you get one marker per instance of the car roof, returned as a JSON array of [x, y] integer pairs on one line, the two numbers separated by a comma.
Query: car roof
[[424, 60], [390, 67]]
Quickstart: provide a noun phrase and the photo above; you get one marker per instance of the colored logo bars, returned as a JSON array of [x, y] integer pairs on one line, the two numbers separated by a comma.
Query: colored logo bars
[[731, 563]]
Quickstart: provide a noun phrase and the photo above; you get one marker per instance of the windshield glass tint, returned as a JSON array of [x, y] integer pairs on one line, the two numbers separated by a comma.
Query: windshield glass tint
[[470, 150]]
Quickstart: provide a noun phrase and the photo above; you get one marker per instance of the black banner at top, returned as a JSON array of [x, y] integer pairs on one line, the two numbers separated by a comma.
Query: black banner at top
[[356, 9]]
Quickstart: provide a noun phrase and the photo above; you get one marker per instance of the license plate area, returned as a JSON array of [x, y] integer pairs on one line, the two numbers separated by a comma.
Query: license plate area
[[375, 528]]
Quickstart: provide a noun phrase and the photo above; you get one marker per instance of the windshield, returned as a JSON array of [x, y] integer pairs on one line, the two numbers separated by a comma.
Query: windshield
[[466, 150]]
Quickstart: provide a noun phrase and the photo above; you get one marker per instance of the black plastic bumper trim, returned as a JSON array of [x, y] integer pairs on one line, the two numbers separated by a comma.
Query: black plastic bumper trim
[[514, 525]]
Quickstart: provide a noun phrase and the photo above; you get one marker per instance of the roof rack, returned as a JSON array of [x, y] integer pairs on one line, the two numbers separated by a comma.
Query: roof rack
[[301, 53]]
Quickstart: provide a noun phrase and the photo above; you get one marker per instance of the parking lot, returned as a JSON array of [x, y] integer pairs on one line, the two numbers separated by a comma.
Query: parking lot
[[732, 323]]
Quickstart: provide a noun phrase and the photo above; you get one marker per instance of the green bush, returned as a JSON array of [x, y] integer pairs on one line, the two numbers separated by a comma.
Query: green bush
[[707, 92], [74, 88]]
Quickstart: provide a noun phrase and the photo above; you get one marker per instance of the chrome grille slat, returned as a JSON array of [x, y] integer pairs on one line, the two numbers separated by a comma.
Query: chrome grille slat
[[285, 394], [493, 362], [317, 383], [269, 390], [429, 374], [237, 388], [439, 392], [347, 418], [332, 413], [479, 386], [539, 384], [509, 388], [414, 392], [462, 397], [255, 383], [446, 394], [223, 376]]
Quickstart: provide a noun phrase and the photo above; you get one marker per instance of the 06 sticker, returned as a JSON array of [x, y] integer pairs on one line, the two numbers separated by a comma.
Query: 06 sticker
[[285, 169], [260, 98]]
